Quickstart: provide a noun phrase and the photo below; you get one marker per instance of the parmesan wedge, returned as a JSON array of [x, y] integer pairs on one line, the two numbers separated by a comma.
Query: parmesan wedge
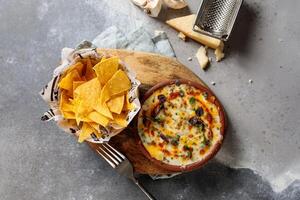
[[185, 25], [202, 58], [219, 52], [181, 36]]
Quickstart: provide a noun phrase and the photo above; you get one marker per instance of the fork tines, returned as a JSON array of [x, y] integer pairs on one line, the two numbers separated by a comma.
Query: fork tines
[[110, 154]]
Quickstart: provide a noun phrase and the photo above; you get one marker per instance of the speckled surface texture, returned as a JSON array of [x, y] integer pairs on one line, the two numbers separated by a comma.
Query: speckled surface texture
[[38, 161]]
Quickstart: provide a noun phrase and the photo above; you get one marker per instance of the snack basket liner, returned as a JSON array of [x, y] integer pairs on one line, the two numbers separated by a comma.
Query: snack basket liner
[[50, 93]]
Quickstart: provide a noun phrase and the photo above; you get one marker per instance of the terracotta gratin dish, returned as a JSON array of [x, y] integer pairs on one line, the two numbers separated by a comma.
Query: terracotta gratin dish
[[213, 150]]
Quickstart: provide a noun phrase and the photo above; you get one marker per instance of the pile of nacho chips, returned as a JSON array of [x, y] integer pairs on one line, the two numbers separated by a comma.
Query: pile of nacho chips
[[94, 94]]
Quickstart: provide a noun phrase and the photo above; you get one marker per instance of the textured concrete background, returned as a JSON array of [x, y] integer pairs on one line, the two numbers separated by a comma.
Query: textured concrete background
[[38, 161]]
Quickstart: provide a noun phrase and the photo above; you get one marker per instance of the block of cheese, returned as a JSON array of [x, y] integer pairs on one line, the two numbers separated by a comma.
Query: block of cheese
[[181, 36], [202, 58], [219, 53], [185, 25]]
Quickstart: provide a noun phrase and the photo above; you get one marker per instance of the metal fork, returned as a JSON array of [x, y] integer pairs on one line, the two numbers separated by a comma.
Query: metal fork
[[119, 162]]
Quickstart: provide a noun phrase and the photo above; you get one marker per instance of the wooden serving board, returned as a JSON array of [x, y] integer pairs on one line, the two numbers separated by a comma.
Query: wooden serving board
[[150, 69]]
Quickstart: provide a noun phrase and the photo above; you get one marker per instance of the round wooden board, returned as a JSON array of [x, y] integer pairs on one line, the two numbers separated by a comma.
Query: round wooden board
[[150, 69]]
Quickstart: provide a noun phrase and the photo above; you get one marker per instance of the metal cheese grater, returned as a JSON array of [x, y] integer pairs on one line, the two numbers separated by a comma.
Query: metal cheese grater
[[216, 17]]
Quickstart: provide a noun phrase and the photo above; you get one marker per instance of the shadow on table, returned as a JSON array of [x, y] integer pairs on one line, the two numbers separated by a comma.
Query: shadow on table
[[244, 29], [231, 149], [216, 181]]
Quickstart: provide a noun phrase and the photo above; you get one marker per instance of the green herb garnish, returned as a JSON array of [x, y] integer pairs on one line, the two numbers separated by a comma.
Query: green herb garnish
[[202, 145], [201, 127], [189, 154], [157, 119], [205, 141], [192, 100], [175, 140], [186, 147]]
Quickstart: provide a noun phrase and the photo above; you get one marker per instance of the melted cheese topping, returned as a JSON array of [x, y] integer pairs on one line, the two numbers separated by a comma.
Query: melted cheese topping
[[179, 124]]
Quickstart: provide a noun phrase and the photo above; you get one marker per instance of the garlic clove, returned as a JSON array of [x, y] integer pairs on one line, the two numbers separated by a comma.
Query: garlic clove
[[150, 7]]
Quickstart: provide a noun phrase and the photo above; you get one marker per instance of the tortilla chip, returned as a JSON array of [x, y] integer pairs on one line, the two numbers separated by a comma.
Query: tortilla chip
[[95, 126], [85, 119], [83, 79], [68, 115], [118, 83], [85, 132], [104, 95], [76, 84], [101, 106], [98, 118], [88, 97], [79, 67], [64, 103], [116, 104], [89, 93], [66, 107], [127, 104], [106, 68], [81, 111], [78, 110], [72, 122], [103, 109], [94, 61], [89, 72], [121, 119], [67, 82]]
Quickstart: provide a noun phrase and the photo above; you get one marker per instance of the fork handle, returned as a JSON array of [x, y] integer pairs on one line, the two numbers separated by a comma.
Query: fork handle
[[144, 190]]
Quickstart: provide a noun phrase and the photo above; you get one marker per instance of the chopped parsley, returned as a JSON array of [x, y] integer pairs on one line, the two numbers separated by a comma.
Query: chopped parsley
[[189, 154], [158, 119], [205, 142], [186, 147], [202, 145], [175, 140], [189, 151], [201, 127], [192, 100]]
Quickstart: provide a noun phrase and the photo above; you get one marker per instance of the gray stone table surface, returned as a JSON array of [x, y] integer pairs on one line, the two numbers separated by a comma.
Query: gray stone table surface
[[261, 153]]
